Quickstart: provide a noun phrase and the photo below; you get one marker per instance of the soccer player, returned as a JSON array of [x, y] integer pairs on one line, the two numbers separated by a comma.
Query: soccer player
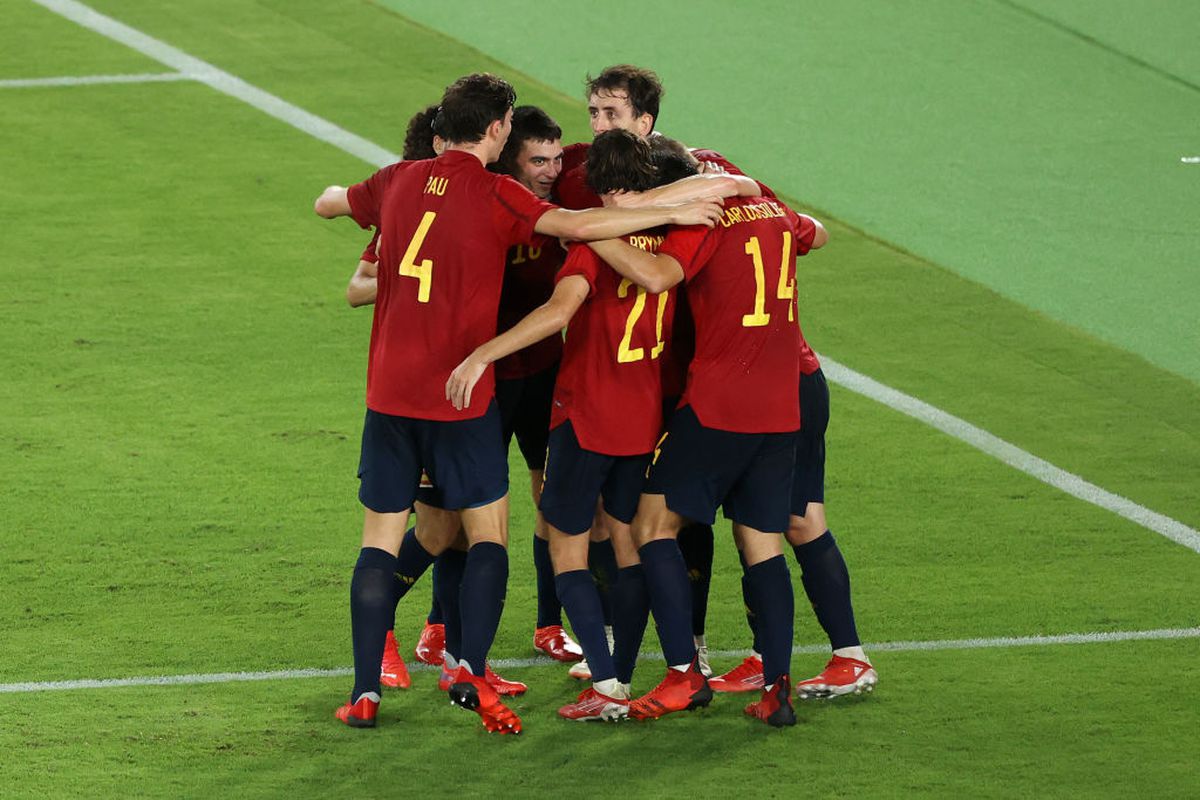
[[732, 441], [607, 413], [823, 570], [446, 225]]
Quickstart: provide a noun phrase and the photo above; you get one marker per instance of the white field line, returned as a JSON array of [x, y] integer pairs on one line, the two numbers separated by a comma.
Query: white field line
[[374, 154], [542, 661], [222, 81], [92, 80], [1011, 454]]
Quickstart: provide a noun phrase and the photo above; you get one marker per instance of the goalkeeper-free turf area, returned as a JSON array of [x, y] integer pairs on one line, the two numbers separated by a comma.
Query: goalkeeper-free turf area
[[182, 397]]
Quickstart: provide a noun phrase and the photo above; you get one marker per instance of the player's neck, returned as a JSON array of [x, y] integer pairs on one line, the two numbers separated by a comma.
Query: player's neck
[[477, 149]]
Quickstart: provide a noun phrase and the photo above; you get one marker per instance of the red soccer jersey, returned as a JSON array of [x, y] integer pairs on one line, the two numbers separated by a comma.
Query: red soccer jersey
[[745, 375], [371, 253], [445, 227], [713, 157], [610, 384], [808, 359], [529, 282]]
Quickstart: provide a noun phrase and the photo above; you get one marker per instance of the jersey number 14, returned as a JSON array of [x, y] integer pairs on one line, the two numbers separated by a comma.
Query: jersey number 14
[[785, 290]]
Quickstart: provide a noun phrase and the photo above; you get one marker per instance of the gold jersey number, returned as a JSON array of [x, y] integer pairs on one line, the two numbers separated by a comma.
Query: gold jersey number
[[785, 290], [625, 353], [421, 270]]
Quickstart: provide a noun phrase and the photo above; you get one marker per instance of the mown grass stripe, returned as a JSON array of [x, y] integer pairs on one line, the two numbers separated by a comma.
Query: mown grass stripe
[[542, 661]]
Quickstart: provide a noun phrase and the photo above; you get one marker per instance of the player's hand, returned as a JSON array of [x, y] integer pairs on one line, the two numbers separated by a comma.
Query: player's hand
[[462, 381], [710, 168], [625, 199], [698, 212]]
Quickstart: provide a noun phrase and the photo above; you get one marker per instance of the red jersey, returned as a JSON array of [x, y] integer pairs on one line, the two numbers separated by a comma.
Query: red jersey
[[445, 226], [713, 157], [371, 253], [609, 384], [808, 359], [741, 286], [528, 283]]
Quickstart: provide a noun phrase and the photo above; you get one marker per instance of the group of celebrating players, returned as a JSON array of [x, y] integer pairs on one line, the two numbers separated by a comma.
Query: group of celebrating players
[[683, 384]]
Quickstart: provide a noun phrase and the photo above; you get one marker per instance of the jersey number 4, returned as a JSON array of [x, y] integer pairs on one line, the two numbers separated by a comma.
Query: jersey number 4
[[786, 289], [421, 270]]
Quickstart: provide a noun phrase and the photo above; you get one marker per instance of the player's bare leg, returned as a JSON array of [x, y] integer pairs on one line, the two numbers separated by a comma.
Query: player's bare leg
[[827, 582], [605, 699]]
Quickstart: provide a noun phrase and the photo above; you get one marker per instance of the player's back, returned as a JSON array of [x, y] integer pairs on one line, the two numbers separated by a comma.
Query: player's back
[[446, 225], [744, 376]]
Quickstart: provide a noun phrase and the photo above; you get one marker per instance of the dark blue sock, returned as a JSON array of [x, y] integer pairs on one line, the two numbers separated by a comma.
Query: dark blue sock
[[748, 601], [631, 611], [774, 604], [670, 598], [481, 601], [826, 581], [435, 608], [549, 611], [410, 566], [447, 582], [602, 562], [696, 544], [371, 610], [580, 599]]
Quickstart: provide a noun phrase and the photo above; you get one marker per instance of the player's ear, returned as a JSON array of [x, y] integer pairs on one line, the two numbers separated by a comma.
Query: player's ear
[[645, 125]]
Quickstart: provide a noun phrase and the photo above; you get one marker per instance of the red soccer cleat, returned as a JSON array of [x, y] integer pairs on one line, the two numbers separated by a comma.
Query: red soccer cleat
[[474, 694], [554, 642], [679, 691], [841, 676], [393, 672], [503, 686], [745, 677], [431, 647], [775, 706], [592, 705], [360, 714]]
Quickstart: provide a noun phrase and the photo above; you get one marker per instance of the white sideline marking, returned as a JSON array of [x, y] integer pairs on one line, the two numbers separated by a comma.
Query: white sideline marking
[[222, 81], [1011, 454], [542, 661], [90, 80], [374, 154]]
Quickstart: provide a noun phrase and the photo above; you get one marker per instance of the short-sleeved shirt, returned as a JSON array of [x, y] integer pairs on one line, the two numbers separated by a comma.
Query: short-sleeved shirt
[[445, 227], [370, 254], [528, 283], [609, 384], [745, 374], [808, 359]]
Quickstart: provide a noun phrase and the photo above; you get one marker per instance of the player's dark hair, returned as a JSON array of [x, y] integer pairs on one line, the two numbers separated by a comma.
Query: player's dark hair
[[642, 86], [470, 105], [672, 160], [418, 138], [620, 161], [529, 123]]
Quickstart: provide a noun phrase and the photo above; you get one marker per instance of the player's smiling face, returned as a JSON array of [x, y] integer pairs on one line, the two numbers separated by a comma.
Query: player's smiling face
[[538, 165], [610, 110]]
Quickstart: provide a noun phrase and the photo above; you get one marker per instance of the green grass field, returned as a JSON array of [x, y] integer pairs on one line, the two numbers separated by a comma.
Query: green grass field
[[183, 383]]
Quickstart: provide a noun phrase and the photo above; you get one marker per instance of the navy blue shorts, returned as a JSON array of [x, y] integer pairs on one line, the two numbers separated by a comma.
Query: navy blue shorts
[[577, 478], [699, 469], [464, 460], [808, 482], [525, 413]]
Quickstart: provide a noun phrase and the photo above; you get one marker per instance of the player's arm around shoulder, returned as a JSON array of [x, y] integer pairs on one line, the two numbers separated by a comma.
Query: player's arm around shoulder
[[606, 223], [545, 320], [654, 273]]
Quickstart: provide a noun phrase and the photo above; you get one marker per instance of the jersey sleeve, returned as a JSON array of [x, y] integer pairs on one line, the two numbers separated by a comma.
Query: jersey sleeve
[[366, 198], [573, 191], [516, 210], [805, 231], [582, 261], [690, 246], [371, 253]]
